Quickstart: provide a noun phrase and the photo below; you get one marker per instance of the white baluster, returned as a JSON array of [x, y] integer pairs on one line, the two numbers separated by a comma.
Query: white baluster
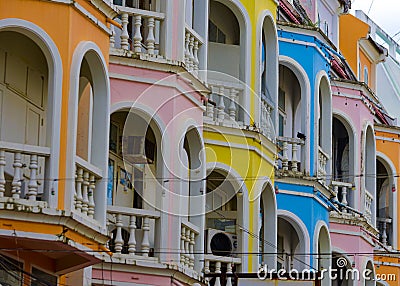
[[285, 158], [91, 204], [336, 192], [294, 157], [150, 36], [33, 185], [207, 270], [85, 187], [210, 107], [187, 247], [146, 242], [16, 183], [183, 234], [119, 242], [137, 37], [2, 178], [196, 56], [191, 53], [344, 197], [124, 33], [384, 235], [221, 104], [217, 271], [112, 37], [187, 53], [132, 233], [191, 249], [229, 271], [268, 126], [78, 186], [232, 107]]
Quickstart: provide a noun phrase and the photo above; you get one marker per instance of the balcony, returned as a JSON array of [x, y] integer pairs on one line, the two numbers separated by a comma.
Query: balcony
[[385, 226], [267, 125], [323, 159], [21, 188], [85, 187], [223, 107], [340, 190], [288, 161], [189, 233], [218, 265], [140, 32], [132, 234]]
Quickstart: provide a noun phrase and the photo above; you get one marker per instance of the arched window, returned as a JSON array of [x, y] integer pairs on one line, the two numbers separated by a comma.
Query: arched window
[[366, 77]]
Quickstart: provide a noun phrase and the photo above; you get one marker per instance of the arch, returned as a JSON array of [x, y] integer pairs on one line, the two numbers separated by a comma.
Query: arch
[[369, 155], [269, 224], [370, 279], [302, 233], [55, 75], [322, 244], [243, 18], [101, 105], [242, 203], [266, 23], [304, 83], [393, 181], [323, 107], [353, 150], [348, 264]]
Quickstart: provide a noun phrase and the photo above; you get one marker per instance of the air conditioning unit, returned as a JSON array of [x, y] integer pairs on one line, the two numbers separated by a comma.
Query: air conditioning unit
[[221, 243], [134, 150]]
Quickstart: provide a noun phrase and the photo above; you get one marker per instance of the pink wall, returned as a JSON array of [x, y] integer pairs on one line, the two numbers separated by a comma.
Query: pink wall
[[136, 278]]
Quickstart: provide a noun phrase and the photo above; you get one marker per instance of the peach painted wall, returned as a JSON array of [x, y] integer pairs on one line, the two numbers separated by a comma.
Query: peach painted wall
[[351, 30], [67, 28]]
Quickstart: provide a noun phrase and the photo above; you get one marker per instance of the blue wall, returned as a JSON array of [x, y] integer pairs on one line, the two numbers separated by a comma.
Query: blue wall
[[312, 61]]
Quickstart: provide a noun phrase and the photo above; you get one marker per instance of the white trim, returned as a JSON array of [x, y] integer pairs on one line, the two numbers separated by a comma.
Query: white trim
[[243, 17], [55, 74], [388, 139], [318, 80], [238, 183], [305, 87], [393, 170], [271, 62], [83, 49], [300, 227]]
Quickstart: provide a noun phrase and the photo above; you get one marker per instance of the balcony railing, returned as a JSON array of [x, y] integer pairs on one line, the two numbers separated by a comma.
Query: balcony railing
[[340, 190], [323, 159], [267, 126], [189, 233], [215, 264], [140, 31], [138, 242], [22, 163], [385, 230], [368, 205], [85, 187], [227, 97], [285, 163], [193, 42]]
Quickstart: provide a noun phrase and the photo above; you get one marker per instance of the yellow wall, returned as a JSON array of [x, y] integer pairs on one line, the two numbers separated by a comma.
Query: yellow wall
[[249, 165], [351, 30]]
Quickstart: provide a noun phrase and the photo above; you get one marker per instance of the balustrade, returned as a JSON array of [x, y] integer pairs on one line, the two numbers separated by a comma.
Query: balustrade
[[85, 187], [25, 166], [140, 235]]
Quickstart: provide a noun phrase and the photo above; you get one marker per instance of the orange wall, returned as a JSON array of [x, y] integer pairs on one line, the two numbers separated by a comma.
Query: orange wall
[[67, 27], [392, 151], [365, 62], [351, 30]]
